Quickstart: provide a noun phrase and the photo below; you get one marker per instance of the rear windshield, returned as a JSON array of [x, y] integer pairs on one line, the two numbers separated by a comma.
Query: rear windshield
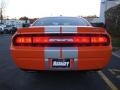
[[56, 21]]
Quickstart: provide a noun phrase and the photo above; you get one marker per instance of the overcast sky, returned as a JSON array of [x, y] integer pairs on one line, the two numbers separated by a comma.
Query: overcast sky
[[42, 8]]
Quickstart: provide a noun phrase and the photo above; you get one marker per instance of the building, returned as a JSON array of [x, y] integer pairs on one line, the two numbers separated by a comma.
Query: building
[[105, 5]]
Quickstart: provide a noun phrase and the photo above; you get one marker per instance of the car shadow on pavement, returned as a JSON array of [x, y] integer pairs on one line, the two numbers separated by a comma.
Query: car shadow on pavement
[[56, 80]]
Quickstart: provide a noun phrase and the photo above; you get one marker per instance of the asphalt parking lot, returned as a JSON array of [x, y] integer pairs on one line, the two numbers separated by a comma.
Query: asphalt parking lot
[[12, 78]]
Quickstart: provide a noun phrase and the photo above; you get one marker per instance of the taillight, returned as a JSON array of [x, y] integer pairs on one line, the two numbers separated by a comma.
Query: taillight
[[82, 39], [66, 40], [40, 40], [21, 40], [99, 39]]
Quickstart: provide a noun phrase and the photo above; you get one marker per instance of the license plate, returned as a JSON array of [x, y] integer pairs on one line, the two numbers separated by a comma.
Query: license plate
[[61, 63]]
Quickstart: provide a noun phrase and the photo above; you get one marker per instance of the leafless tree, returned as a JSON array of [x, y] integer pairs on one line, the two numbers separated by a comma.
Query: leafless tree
[[2, 8]]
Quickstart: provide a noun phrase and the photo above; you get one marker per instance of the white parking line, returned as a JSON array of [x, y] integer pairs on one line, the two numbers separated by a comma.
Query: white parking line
[[115, 54], [111, 71], [107, 81]]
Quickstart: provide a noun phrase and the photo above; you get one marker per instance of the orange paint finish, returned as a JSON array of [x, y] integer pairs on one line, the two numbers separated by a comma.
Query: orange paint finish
[[61, 52], [89, 57], [71, 63], [90, 30], [94, 57], [29, 58], [31, 30]]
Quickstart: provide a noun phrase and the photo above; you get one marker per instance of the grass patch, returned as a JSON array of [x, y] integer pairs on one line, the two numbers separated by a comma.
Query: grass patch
[[116, 43], [115, 48]]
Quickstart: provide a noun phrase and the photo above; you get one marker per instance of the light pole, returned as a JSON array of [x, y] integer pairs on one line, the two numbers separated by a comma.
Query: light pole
[[105, 10], [106, 5]]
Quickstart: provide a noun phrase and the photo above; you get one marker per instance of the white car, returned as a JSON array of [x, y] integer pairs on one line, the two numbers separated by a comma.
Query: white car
[[2, 28]]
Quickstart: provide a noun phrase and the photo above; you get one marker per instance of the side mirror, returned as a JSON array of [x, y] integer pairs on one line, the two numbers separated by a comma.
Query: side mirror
[[98, 24], [25, 25]]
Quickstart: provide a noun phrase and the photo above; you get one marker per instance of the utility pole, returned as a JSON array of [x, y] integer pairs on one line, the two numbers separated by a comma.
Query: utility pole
[[1, 15]]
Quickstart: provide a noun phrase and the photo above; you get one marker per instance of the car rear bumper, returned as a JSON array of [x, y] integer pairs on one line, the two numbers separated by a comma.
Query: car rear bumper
[[82, 58]]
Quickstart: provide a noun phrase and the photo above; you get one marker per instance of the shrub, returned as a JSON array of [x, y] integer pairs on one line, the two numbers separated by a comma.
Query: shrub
[[112, 19]]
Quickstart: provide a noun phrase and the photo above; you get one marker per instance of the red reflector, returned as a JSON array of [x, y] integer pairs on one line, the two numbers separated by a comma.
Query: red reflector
[[99, 39], [40, 39], [82, 39], [23, 40]]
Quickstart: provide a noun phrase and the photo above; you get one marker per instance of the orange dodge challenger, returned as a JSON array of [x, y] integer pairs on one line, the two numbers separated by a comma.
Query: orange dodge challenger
[[61, 43]]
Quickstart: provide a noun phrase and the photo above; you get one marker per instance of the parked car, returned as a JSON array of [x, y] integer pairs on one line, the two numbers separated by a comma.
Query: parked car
[[14, 29], [2, 28], [10, 29], [61, 43]]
